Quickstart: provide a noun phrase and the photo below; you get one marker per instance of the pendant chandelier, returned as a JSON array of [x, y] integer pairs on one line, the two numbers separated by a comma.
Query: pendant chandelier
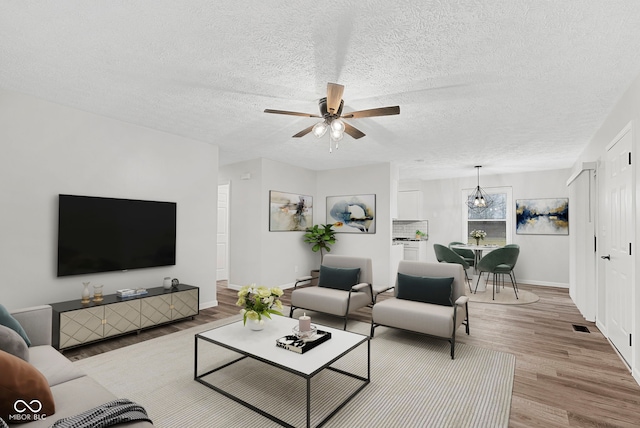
[[479, 200]]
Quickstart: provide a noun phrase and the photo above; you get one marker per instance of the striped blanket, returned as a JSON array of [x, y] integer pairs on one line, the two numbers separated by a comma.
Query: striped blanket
[[106, 415]]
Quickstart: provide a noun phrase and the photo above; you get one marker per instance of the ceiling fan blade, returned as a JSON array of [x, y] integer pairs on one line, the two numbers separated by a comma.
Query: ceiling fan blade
[[381, 111], [334, 96], [354, 132], [292, 113], [304, 132]]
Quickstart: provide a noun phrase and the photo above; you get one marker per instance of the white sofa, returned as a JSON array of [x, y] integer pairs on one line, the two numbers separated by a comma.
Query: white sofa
[[73, 391]]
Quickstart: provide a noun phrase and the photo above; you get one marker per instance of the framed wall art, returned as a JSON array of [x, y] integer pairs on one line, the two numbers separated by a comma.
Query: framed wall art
[[542, 216], [289, 211], [352, 213]]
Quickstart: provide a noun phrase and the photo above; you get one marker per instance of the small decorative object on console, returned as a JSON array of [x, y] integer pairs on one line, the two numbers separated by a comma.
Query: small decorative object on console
[[175, 282], [97, 293], [300, 345], [166, 283], [86, 296], [130, 292]]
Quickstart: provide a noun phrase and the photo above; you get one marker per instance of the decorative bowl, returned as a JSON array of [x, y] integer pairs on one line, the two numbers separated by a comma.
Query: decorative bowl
[[305, 334]]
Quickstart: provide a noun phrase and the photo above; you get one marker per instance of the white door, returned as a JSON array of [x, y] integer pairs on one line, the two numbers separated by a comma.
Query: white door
[[618, 260], [223, 233]]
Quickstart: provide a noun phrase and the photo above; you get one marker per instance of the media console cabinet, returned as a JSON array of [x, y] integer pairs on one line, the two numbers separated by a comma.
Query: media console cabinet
[[76, 324]]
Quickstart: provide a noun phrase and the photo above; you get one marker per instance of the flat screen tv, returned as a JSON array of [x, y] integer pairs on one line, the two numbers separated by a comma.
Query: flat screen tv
[[107, 234]]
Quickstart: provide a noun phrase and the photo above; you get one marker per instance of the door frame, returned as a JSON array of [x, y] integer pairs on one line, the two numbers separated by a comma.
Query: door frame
[[226, 221]]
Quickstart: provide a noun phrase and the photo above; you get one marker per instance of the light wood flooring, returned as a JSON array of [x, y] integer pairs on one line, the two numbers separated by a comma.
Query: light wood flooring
[[563, 378]]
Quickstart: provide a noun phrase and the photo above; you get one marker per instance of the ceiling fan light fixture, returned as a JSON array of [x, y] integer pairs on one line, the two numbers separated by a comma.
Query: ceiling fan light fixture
[[336, 135], [319, 129], [337, 125]]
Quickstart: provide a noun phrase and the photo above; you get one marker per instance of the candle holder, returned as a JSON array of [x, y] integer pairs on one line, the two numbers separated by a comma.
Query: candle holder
[[310, 334]]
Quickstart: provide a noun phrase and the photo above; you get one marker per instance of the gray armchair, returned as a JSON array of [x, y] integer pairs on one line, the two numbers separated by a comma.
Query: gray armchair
[[334, 294], [440, 319]]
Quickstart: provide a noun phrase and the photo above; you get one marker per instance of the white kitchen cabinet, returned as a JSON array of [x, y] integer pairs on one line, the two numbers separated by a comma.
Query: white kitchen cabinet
[[410, 205], [415, 250]]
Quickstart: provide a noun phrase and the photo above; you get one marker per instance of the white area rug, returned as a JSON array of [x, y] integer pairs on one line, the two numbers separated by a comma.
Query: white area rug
[[414, 383]]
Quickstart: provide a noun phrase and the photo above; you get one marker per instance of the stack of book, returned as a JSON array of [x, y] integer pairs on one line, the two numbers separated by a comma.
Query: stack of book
[[296, 344], [130, 292]]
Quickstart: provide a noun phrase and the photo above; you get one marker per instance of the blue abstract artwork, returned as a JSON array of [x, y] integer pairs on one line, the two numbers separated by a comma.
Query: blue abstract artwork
[[542, 216], [352, 214]]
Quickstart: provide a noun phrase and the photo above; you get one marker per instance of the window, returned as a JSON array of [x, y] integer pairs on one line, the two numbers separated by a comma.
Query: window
[[496, 220]]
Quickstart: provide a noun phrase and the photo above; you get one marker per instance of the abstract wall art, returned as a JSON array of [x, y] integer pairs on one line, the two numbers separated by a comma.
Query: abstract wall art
[[289, 211], [542, 216], [352, 213]]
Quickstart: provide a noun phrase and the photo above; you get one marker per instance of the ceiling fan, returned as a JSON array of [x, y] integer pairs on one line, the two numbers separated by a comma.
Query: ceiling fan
[[331, 112]]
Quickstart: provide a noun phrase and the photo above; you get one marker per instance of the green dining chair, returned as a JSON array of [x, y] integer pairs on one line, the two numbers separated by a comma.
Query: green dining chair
[[468, 255], [499, 262], [447, 255]]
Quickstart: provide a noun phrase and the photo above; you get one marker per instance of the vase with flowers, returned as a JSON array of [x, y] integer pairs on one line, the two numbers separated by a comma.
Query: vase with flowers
[[258, 303], [478, 235]]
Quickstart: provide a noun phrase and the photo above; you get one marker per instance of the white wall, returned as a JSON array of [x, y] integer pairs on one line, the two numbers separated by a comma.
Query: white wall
[[271, 258], [245, 230], [256, 254], [285, 255], [625, 111], [48, 149], [372, 179], [544, 259]]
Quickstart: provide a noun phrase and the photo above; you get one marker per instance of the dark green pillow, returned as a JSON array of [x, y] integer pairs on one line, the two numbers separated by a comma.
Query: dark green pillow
[[8, 321], [424, 289], [338, 278]]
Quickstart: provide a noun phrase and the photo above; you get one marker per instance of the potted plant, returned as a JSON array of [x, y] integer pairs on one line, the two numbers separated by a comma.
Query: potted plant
[[321, 238], [420, 234]]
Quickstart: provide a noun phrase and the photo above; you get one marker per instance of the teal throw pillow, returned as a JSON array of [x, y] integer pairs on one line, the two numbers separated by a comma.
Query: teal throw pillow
[[338, 278], [8, 321], [437, 291], [12, 343]]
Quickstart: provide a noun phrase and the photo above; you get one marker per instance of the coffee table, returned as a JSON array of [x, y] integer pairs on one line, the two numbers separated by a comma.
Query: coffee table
[[261, 346]]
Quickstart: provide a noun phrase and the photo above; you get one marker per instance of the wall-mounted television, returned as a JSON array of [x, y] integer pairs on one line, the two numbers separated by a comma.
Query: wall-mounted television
[[106, 234]]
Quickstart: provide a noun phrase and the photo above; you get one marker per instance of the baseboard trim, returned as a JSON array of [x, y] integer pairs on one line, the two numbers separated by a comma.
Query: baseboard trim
[[542, 283], [601, 327], [206, 305]]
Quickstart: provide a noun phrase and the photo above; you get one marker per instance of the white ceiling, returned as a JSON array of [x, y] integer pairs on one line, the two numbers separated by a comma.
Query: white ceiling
[[513, 85]]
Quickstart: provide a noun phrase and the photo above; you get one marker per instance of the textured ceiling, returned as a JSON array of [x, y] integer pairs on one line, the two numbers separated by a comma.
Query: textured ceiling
[[512, 85]]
